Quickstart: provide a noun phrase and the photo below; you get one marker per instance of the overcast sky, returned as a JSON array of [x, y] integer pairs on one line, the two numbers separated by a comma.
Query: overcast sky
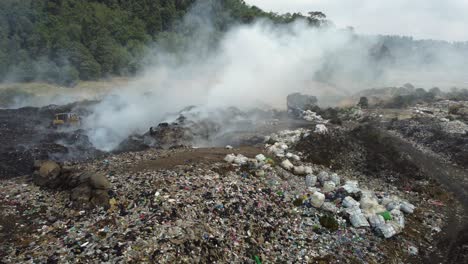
[[422, 19]]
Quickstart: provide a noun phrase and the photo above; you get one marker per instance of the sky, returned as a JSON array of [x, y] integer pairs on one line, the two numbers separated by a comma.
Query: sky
[[422, 19]]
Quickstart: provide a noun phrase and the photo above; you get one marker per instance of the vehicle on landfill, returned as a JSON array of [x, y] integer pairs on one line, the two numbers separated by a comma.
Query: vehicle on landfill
[[66, 119]]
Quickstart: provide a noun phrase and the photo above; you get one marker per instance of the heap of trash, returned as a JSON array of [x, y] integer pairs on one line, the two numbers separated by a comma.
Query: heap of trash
[[266, 207], [347, 202]]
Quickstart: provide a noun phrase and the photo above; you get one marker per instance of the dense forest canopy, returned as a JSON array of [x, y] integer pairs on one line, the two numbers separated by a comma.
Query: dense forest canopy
[[67, 40]]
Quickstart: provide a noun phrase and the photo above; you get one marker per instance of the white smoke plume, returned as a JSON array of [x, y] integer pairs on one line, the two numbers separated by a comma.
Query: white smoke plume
[[251, 66]]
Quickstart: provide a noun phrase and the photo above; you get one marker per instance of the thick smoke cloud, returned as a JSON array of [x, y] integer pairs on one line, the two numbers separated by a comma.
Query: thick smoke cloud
[[256, 66]]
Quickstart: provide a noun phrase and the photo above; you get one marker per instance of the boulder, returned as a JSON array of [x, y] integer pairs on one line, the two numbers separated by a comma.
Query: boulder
[[81, 194], [48, 175], [100, 198], [99, 181], [49, 169]]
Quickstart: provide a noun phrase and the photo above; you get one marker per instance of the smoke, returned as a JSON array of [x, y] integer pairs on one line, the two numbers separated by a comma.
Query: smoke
[[249, 66]]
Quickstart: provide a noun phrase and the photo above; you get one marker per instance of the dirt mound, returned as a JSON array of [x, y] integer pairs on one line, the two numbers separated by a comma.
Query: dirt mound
[[364, 148]]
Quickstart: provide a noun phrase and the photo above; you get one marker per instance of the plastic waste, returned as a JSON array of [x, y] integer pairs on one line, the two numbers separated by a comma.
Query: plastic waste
[[358, 220], [317, 199], [286, 164]]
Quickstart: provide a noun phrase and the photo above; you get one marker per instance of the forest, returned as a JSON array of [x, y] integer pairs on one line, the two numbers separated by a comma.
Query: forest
[[63, 41]]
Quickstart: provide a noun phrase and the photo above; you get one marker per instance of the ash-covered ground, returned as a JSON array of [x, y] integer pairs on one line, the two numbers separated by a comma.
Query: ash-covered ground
[[348, 185]]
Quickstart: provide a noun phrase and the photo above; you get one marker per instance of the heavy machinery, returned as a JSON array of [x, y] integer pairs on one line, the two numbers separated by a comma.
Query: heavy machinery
[[66, 119]]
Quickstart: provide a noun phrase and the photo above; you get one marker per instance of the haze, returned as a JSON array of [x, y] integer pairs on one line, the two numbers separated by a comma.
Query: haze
[[421, 19]]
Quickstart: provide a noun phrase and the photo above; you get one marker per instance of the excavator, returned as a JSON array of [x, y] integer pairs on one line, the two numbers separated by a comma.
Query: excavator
[[66, 119]]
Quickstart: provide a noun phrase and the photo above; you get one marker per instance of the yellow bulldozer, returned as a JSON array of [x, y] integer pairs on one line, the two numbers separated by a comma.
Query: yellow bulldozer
[[66, 119]]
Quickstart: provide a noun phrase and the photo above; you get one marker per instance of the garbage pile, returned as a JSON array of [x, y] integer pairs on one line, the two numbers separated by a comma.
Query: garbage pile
[[248, 208], [361, 208], [298, 103], [309, 115]]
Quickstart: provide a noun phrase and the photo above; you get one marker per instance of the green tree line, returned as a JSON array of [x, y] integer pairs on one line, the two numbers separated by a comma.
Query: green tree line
[[63, 41]]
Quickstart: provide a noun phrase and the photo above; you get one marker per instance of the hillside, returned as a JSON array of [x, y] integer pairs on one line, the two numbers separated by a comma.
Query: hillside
[[65, 41]]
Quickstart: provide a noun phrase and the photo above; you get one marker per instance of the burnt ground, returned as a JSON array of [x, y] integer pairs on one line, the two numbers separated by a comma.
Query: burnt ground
[[26, 136]]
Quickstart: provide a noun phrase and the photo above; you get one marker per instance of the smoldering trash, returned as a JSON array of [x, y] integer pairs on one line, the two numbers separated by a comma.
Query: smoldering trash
[[265, 198]]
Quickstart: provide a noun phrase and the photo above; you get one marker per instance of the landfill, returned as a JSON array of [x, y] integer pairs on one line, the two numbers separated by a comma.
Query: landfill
[[316, 192], [241, 208]]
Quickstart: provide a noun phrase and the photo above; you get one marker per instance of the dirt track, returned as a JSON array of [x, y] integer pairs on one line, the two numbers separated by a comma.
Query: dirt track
[[452, 246]]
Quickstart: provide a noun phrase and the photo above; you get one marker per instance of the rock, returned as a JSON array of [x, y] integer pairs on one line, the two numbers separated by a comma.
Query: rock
[[358, 220], [317, 199], [38, 164], [100, 198], [310, 180], [99, 181], [328, 186], [287, 165], [49, 169], [48, 175], [81, 194], [229, 147]]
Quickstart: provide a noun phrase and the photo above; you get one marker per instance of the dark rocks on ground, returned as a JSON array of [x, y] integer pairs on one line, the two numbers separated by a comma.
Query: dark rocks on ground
[[86, 188]]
